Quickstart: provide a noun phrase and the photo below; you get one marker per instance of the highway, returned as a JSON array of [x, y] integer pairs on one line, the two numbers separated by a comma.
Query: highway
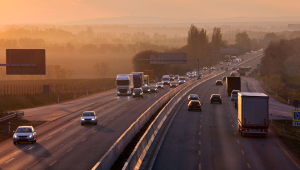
[[210, 139], [64, 144]]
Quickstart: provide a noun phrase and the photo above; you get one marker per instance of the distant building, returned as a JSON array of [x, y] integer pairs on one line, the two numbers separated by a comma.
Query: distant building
[[294, 26]]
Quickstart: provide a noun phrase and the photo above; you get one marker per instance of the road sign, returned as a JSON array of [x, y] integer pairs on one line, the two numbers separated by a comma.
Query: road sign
[[296, 115], [25, 62], [296, 123], [296, 103], [168, 58]]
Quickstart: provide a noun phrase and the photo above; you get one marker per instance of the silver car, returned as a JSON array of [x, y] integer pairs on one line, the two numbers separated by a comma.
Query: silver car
[[234, 94], [88, 117], [24, 134], [181, 80], [173, 84], [160, 85]]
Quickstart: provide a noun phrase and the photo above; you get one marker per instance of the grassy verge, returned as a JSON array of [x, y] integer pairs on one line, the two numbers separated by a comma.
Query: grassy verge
[[14, 124], [288, 138]]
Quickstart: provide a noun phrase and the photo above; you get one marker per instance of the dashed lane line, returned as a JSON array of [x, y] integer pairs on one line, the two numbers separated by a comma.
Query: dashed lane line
[[69, 150], [83, 139], [243, 152], [52, 163], [199, 142], [49, 138], [248, 165], [9, 160], [199, 152], [199, 166], [95, 131], [31, 148], [237, 141]]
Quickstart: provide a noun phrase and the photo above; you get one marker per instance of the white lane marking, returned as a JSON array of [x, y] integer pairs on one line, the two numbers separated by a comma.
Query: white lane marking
[[63, 130], [199, 142], [199, 133], [31, 148], [95, 131], [249, 166], [52, 163], [49, 137], [9, 160], [243, 152], [238, 141], [112, 118], [199, 166], [69, 150], [83, 139], [199, 152]]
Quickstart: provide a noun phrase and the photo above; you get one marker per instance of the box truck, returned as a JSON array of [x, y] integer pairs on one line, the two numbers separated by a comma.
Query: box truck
[[233, 83], [138, 79], [253, 113], [124, 83]]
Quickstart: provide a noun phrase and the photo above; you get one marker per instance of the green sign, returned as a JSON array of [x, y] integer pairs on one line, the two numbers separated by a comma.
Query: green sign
[[260, 65]]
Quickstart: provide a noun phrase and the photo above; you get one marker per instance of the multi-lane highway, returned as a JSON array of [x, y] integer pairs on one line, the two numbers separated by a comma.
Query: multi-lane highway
[[210, 139], [64, 144]]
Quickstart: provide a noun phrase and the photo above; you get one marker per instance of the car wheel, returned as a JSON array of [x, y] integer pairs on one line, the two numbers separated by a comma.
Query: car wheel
[[156, 92], [133, 96], [35, 141], [32, 142], [96, 123], [142, 96], [15, 143], [81, 124], [188, 109], [211, 102], [200, 110], [220, 102]]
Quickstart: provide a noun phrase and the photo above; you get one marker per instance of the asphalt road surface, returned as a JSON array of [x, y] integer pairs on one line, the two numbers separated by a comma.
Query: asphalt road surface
[[63, 143], [210, 139]]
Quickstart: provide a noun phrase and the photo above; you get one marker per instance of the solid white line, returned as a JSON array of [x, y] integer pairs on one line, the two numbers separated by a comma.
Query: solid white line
[[31, 148], [9, 160]]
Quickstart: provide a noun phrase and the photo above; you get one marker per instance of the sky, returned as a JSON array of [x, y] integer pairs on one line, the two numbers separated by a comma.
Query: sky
[[59, 11]]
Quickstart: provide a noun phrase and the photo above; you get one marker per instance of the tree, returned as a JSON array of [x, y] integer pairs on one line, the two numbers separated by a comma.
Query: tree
[[101, 69], [271, 36], [69, 47], [243, 42], [216, 39]]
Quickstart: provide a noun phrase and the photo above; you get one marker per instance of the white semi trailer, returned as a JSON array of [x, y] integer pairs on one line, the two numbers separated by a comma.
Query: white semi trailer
[[124, 83], [253, 113]]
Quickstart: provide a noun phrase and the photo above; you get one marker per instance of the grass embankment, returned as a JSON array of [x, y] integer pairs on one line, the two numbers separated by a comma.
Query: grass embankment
[[289, 139], [63, 88]]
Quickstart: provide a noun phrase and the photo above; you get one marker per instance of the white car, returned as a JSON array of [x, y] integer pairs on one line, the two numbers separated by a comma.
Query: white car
[[234, 94], [181, 80], [173, 84], [88, 117], [212, 68], [24, 134], [159, 85], [204, 68], [247, 53]]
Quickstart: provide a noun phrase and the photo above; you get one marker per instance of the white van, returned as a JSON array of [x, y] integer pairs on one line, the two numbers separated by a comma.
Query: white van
[[166, 79]]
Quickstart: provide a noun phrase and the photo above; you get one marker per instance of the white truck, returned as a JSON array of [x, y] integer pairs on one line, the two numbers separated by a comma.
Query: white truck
[[253, 113], [124, 83], [166, 79], [234, 67]]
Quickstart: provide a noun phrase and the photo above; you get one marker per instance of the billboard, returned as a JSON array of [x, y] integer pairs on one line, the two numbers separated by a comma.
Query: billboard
[[25, 62], [169, 58]]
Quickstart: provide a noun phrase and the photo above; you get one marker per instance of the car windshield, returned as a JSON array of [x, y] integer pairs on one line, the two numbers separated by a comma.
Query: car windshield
[[122, 82], [165, 78], [152, 87], [173, 83], [145, 88], [88, 114], [24, 130], [159, 83], [216, 96], [181, 78], [193, 96], [137, 90]]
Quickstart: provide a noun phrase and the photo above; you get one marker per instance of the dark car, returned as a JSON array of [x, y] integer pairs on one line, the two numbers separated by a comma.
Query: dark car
[[173, 84], [224, 78], [193, 97], [137, 92], [219, 82], [216, 98], [194, 105], [153, 89], [172, 77], [146, 89]]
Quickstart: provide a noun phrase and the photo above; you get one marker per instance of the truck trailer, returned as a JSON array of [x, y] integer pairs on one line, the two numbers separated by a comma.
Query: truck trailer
[[233, 83], [253, 113], [124, 83], [138, 79]]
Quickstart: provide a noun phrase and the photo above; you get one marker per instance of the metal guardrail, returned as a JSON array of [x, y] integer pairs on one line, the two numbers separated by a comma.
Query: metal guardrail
[[117, 148], [13, 115], [135, 159]]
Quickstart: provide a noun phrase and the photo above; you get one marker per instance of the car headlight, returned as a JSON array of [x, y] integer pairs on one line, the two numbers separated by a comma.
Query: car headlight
[[141, 93], [118, 92], [30, 136], [93, 119], [148, 89], [133, 93], [82, 118], [154, 89], [15, 136], [128, 91]]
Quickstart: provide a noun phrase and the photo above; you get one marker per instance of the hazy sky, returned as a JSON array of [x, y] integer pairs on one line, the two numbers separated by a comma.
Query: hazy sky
[[56, 11]]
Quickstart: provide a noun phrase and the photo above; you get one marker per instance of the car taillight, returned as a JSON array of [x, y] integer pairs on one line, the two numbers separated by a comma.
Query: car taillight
[[197, 99], [198, 105], [245, 130], [265, 130], [190, 104], [189, 99]]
